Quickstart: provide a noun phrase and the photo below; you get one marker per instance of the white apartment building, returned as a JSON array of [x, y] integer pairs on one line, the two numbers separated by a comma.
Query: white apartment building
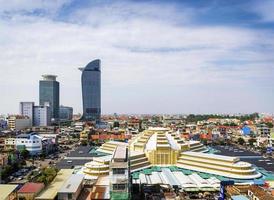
[[263, 130], [42, 115], [31, 142]]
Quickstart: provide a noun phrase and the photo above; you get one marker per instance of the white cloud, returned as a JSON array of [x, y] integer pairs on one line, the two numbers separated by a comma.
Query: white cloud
[[145, 59]]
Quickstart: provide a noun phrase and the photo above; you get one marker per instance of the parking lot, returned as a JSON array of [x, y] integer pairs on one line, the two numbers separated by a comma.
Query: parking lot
[[78, 156], [247, 156], [20, 175]]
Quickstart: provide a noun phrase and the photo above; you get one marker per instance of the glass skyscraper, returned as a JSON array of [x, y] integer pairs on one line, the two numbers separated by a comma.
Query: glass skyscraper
[[91, 90], [49, 93]]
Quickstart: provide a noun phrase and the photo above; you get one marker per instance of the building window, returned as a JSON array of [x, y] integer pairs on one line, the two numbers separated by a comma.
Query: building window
[[118, 171], [119, 186], [69, 196]]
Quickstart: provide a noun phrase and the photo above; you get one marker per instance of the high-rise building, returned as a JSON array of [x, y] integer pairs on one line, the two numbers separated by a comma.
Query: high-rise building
[[49, 92], [42, 115], [65, 113], [27, 109], [91, 90]]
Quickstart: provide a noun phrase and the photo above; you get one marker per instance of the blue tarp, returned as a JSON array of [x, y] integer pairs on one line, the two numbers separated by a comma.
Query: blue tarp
[[259, 182], [239, 197], [246, 130]]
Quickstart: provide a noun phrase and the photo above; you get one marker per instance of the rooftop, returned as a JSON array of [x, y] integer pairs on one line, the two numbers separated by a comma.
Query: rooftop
[[27, 135], [6, 190], [49, 77], [92, 66], [158, 129], [72, 183], [31, 188], [51, 191], [211, 156], [120, 154], [260, 193], [239, 197]]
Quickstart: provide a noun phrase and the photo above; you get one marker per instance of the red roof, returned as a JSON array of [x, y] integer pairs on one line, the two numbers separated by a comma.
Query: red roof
[[31, 188]]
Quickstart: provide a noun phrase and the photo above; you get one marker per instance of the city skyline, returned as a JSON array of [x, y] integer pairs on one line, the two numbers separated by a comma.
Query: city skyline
[[158, 56]]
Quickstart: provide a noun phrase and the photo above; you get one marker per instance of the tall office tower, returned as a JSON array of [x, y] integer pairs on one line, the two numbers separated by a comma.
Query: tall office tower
[[91, 91], [27, 109], [49, 92]]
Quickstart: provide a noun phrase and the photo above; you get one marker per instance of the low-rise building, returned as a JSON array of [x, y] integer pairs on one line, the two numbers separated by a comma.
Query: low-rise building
[[258, 193], [29, 191], [31, 142], [84, 136], [118, 171], [2, 141], [19, 122], [263, 130], [71, 188], [272, 138], [79, 126], [34, 143], [10, 144], [51, 191], [8, 192]]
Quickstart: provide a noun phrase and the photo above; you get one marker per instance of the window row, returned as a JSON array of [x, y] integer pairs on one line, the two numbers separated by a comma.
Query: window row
[[119, 186]]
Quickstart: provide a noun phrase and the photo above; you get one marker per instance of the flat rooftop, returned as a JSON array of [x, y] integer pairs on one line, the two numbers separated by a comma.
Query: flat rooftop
[[6, 190], [72, 184], [120, 154], [52, 189]]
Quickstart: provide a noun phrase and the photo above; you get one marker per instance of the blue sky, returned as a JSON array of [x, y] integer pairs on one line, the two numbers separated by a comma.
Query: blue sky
[[160, 56]]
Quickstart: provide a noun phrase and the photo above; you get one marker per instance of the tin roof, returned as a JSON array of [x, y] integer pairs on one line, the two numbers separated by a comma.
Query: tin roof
[[31, 188]]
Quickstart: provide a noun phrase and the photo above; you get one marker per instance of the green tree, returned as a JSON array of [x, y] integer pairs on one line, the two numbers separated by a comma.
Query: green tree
[[269, 124], [241, 141], [116, 124], [24, 153], [47, 175], [251, 141], [5, 172], [204, 141]]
